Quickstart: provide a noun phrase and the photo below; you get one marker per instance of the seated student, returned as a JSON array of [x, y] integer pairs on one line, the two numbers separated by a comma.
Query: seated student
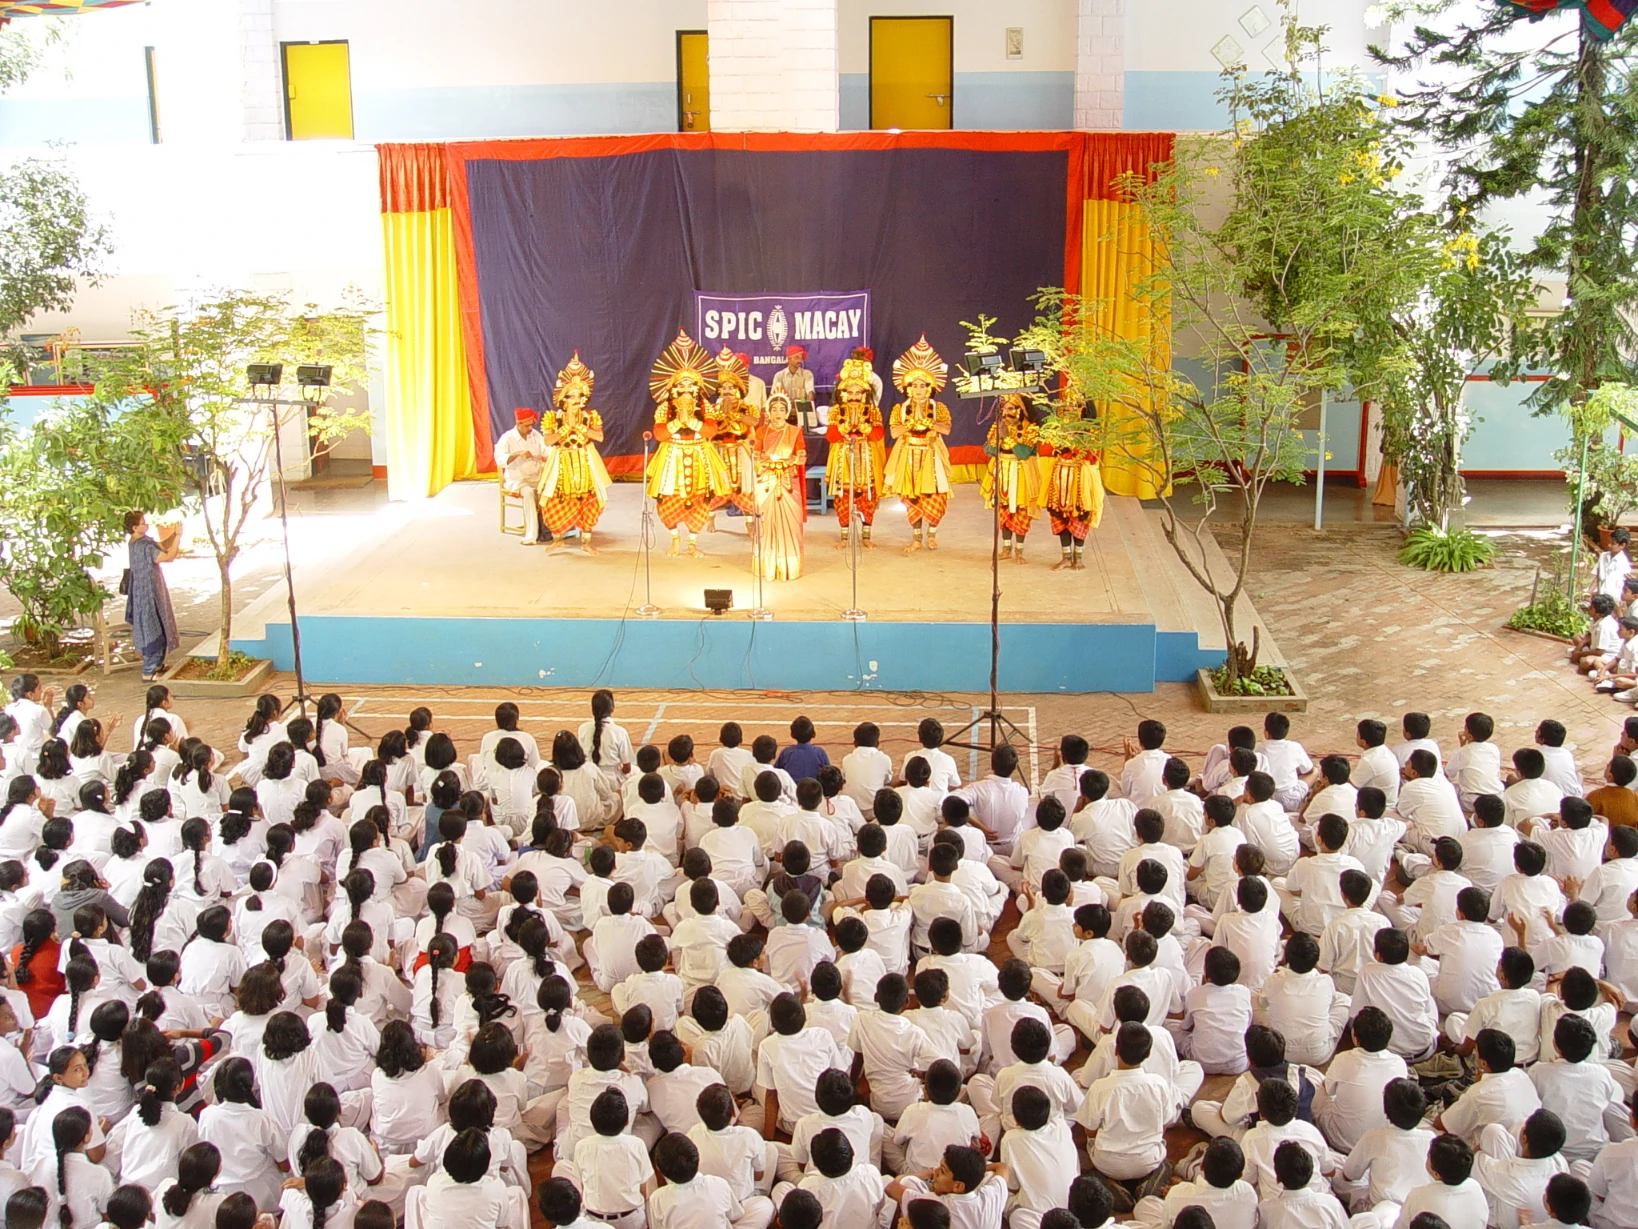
[[464, 1191], [872, 860], [1568, 1202], [1349, 1100], [796, 873], [973, 978], [698, 868], [734, 1152], [940, 1120], [661, 992], [828, 838], [1150, 829], [1266, 824], [1277, 1122], [859, 965], [1331, 794], [1513, 1007], [1179, 807], [1430, 901], [765, 812], [690, 1197], [1615, 675], [960, 1186], [866, 769], [1297, 1205], [1091, 966], [611, 949], [764, 751], [955, 815], [1041, 1159], [744, 984], [1609, 888], [1378, 767], [1217, 770], [1579, 1089], [1140, 776], [1311, 894], [1038, 848], [1428, 803], [637, 862], [788, 1064], [1000, 803], [849, 1190], [1454, 1196], [1125, 1115], [648, 761], [1103, 824], [1266, 1056], [1402, 991], [1347, 940], [939, 898], [1528, 897], [1389, 1161], [796, 947], [837, 807], [1216, 1015], [1418, 729], [1142, 972], [1045, 934], [1063, 779], [662, 818], [1597, 646], [1302, 1004], [1211, 865], [1487, 847], [1475, 766], [679, 771], [1514, 1169], [1573, 943], [1221, 1190], [922, 803], [1530, 794], [894, 1052], [991, 1098], [1615, 800], [1460, 957], [835, 1096], [1184, 1076], [1503, 1092], [1288, 762], [827, 1008], [1613, 1179], [728, 761], [799, 1209], [1573, 838], [1015, 979], [888, 920], [903, 845], [611, 1167], [1372, 833], [1251, 930], [949, 1032]]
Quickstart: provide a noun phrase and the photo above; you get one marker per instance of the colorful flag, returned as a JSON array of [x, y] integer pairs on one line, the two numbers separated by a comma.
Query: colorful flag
[[1602, 18], [37, 8]]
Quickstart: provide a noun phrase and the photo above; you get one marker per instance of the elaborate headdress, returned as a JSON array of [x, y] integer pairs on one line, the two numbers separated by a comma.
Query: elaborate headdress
[[855, 372], [575, 375], [920, 360], [683, 359], [733, 371]]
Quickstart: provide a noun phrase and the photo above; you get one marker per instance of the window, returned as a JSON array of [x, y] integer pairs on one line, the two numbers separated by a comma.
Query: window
[[153, 95], [693, 82], [911, 71], [318, 92]]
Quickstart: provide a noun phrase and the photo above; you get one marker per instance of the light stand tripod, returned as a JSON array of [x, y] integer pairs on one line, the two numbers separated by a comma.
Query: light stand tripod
[[648, 609]]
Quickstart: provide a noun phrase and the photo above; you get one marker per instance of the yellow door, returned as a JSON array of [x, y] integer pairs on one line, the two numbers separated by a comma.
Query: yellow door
[[693, 82], [910, 72], [318, 91]]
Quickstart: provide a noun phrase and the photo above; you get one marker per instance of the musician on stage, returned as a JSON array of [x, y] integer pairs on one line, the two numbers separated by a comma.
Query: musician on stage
[[574, 488], [686, 473], [522, 456], [781, 490], [918, 468], [1073, 491], [793, 379], [736, 421], [1011, 444], [853, 470]]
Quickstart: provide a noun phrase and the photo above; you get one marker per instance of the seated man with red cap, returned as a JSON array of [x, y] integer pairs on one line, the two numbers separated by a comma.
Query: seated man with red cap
[[521, 453], [793, 379]]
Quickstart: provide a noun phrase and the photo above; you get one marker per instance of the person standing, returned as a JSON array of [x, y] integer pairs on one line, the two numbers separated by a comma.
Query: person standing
[[574, 483], [1011, 445], [781, 491], [522, 454], [686, 473], [918, 468], [147, 600], [737, 423], [1073, 491]]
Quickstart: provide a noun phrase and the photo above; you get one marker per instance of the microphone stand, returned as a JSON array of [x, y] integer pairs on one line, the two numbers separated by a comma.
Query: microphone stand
[[855, 522], [648, 609], [757, 611]]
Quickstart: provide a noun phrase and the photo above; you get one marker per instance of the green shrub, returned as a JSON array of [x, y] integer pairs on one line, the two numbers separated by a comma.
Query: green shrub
[[1262, 681], [1462, 551], [1553, 613]]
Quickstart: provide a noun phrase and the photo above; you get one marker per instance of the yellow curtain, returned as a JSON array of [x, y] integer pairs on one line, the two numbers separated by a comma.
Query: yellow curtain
[[1117, 255], [429, 414]]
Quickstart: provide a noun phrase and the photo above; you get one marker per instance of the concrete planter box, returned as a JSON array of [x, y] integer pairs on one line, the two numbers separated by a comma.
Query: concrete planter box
[[1217, 702], [206, 689]]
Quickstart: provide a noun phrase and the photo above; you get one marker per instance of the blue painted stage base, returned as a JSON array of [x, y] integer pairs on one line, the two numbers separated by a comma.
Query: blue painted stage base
[[732, 651]]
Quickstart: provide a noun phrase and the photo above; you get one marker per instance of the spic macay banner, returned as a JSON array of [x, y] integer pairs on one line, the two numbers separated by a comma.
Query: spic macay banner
[[827, 325]]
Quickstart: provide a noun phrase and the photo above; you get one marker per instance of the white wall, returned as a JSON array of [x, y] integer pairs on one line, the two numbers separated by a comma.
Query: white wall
[[980, 32]]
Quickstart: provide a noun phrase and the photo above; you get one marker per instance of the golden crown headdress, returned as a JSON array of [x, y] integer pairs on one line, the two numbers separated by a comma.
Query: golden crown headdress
[[575, 375], [732, 371], [683, 359], [855, 371], [920, 360]]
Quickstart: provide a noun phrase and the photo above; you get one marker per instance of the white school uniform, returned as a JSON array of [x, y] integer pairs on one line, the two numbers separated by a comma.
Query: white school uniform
[[249, 1144]]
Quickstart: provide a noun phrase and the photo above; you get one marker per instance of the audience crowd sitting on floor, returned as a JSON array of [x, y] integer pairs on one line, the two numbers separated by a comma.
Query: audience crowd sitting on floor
[[357, 987]]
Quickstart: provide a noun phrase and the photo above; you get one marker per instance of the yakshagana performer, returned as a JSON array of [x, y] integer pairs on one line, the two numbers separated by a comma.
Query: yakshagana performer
[[1073, 491], [1012, 441], [574, 487], [918, 468], [781, 490], [736, 421], [686, 473], [853, 470]]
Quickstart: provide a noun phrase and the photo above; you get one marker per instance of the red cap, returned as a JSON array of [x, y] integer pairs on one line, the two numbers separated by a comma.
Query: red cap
[[744, 358], [795, 352], [524, 414], [865, 353]]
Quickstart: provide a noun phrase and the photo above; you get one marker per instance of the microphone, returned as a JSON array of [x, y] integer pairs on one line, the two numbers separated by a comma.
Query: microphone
[[647, 435]]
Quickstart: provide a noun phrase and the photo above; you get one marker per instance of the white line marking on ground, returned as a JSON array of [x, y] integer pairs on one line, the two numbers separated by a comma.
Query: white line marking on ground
[[654, 723]]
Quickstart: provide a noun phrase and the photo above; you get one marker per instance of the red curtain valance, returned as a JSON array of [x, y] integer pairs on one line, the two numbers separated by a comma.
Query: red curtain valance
[[1110, 155], [414, 177]]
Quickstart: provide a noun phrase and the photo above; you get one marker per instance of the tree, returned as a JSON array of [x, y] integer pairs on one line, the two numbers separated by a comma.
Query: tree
[[191, 363], [1547, 111], [1273, 294], [66, 483], [48, 238]]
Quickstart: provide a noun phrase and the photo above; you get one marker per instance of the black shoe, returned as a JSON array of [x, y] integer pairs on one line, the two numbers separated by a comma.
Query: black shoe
[[1156, 1183]]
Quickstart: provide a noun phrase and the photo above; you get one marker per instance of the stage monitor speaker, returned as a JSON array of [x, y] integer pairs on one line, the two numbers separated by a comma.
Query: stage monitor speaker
[[719, 600]]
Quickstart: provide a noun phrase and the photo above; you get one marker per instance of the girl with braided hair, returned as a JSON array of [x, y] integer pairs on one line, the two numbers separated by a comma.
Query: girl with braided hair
[[110, 1093], [127, 859], [63, 1088], [241, 833], [263, 730], [385, 995], [206, 878], [394, 752], [339, 761], [72, 1011], [434, 993], [523, 977], [251, 1148], [367, 849], [443, 918], [92, 934], [462, 870], [78, 700], [299, 877], [196, 791], [373, 792], [212, 965], [130, 783], [279, 789], [606, 744], [36, 962], [189, 1201], [408, 895], [88, 755], [323, 1201], [321, 1136], [302, 987], [150, 1141], [160, 919], [346, 1041], [77, 1187], [156, 706], [262, 906]]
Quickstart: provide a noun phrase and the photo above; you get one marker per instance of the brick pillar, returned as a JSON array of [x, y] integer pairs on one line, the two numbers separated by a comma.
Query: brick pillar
[[773, 65], [263, 73], [219, 78], [1100, 63]]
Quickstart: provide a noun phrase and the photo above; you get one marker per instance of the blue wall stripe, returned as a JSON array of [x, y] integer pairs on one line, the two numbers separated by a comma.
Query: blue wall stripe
[[480, 112], [998, 101], [119, 120]]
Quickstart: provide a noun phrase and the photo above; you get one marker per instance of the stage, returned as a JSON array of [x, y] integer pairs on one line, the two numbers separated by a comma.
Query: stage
[[437, 594]]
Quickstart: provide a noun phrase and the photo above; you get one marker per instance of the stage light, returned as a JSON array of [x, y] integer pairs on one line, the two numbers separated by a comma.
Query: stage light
[[1031, 361], [981, 364], [317, 376], [265, 375], [719, 600]]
